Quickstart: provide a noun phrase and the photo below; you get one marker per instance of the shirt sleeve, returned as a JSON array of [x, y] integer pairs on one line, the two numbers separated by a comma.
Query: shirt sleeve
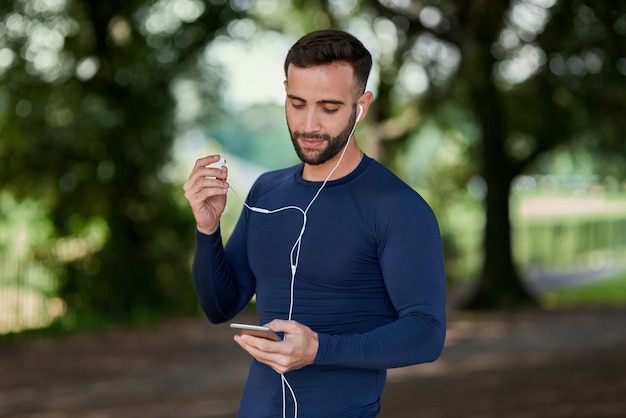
[[411, 261], [222, 276]]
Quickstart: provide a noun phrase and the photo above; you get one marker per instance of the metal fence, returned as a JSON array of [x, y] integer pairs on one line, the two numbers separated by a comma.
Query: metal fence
[[572, 244], [28, 294]]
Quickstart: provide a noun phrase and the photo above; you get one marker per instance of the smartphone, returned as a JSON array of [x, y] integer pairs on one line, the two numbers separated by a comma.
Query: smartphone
[[256, 330]]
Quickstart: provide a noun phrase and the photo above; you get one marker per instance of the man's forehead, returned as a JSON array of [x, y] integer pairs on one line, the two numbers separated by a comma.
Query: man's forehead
[[331, 81]]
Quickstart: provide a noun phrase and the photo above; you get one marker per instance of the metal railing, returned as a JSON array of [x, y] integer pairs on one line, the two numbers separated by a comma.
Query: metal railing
[[28, 294]]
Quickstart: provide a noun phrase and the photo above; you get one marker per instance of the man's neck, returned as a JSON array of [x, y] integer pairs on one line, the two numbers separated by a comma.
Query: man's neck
[[348, 164]]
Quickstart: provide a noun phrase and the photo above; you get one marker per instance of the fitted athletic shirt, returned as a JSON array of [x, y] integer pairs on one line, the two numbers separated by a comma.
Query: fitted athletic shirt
[[370, 281]]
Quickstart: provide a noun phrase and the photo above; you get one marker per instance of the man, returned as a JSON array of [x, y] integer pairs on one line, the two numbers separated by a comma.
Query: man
[[344, 258]]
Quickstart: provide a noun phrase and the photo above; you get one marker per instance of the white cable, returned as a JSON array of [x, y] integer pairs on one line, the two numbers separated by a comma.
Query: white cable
[[293, 396]]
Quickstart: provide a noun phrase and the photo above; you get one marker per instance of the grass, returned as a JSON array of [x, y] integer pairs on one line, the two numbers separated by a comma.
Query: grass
[[610, 292]]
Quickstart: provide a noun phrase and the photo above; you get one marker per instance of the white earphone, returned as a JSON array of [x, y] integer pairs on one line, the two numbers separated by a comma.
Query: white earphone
[[358, 118]]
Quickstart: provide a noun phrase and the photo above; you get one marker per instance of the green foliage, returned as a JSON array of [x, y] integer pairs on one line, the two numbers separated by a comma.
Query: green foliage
[[24, 227], [88, 121]]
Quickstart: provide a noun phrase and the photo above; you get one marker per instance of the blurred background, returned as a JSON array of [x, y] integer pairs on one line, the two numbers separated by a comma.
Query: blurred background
[[507, 116]]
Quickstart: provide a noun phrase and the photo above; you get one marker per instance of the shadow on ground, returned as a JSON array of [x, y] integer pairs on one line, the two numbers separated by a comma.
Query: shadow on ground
[[524, 365]]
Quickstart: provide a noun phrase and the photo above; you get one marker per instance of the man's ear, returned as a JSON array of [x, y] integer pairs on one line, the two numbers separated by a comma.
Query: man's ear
[[364, 101]]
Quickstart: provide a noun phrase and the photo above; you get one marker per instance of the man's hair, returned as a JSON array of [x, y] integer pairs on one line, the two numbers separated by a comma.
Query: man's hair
[[329, 46]]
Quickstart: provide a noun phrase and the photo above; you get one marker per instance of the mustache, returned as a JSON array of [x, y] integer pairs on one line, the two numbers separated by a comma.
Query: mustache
[[305, 135]]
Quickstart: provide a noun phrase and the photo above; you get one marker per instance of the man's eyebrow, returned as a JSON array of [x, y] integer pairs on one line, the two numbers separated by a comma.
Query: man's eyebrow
[[294, 97], [330, 101], [320, 102]]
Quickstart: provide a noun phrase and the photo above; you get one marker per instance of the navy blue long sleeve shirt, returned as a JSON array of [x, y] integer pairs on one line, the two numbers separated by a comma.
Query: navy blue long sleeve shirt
[[370, 281]]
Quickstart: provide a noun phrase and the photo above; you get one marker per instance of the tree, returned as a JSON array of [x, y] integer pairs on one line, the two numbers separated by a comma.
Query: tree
[[87, 123], [534, 76]]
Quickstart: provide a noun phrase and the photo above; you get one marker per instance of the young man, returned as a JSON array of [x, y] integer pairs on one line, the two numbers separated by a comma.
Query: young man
[[344, 258]]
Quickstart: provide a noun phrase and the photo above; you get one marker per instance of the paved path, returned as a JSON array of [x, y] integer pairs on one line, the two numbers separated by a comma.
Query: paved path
[[527, 365]]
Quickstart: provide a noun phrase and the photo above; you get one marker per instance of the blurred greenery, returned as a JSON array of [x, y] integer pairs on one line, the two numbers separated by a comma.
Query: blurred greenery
[[605, 293], [257, 134], [88, 123], [97, 97]]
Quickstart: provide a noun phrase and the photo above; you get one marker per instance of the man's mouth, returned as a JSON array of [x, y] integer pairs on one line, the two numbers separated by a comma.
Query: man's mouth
[[312, 141]]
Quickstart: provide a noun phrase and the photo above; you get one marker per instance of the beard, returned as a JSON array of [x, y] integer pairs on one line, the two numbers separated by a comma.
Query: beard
[[334, 145]]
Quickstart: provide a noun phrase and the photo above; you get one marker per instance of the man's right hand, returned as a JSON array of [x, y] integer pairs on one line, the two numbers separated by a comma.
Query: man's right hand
[[205, 190]]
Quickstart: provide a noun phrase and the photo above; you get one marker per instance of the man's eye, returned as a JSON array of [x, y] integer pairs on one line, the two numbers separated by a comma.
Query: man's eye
[[326, 110], [297, 106]]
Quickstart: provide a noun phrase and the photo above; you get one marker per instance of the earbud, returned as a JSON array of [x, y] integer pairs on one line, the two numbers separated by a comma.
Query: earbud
[[358, 118], [219, 163]]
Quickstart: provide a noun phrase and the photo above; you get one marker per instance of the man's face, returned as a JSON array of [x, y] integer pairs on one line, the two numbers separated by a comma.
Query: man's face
[[320, 110]]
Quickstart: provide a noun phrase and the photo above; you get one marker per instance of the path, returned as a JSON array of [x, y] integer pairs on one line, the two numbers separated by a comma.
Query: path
[[527, 365]]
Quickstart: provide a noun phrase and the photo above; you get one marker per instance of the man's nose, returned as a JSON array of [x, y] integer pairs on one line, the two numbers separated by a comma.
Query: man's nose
[[311, 122]]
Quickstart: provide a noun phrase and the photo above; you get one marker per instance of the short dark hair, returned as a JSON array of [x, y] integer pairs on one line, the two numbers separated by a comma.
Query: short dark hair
[[325, 47]]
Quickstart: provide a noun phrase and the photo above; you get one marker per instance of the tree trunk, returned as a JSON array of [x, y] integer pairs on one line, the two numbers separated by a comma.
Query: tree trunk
[[499, 285]]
